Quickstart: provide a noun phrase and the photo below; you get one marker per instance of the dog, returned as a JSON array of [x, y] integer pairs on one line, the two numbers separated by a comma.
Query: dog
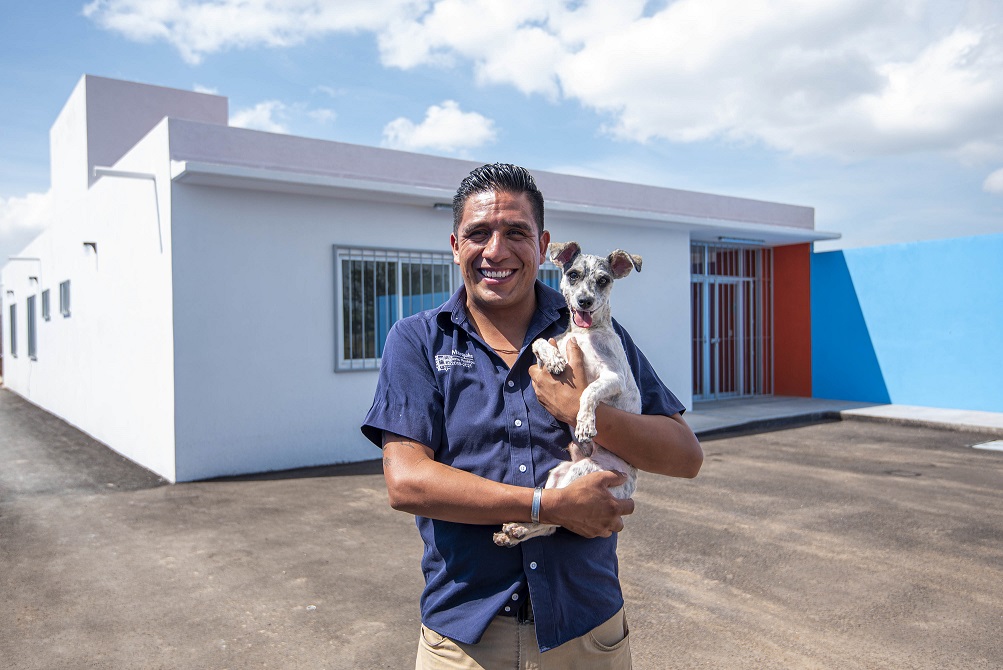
[[586, 284]]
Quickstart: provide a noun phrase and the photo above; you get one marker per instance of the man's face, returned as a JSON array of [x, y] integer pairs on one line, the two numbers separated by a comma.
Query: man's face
[[499, 249]]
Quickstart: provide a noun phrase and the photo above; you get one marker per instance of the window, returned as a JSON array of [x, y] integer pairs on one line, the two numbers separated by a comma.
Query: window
[[32, 330], [64, 298], [550, 276], [13, 330], [376, 287], [45, 305]]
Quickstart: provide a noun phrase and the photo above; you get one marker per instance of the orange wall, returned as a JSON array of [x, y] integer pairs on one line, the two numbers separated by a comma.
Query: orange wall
[[792, 320]]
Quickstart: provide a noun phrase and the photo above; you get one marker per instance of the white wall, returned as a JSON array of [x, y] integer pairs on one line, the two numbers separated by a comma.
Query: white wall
[[107, 368], [255, 334], [255, 329]]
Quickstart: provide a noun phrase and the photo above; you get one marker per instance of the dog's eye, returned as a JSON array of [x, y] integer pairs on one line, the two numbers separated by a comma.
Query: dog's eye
[[574, 275], [602, 281]]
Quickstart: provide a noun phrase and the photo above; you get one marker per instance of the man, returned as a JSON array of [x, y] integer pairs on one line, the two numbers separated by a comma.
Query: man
[[469, 425]]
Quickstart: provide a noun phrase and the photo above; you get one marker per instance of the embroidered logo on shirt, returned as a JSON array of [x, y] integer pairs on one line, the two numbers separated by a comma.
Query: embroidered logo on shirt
[[446, 361]]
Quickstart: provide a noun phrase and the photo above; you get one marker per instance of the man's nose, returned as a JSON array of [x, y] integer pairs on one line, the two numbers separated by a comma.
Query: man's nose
[[496, 247]]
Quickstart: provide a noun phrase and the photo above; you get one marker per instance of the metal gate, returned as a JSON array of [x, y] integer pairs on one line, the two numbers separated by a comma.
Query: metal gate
[[732, 321]]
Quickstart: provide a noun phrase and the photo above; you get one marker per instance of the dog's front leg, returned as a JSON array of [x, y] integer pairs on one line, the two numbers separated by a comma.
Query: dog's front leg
[[607, 385]]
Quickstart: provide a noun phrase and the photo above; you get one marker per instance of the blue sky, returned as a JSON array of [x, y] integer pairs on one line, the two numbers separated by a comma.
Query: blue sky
[[886, 117]]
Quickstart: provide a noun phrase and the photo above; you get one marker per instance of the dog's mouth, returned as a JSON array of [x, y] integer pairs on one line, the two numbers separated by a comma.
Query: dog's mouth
[[582, 319]]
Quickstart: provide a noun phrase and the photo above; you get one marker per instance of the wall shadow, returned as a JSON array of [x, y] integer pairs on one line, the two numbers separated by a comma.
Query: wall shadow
[[844, 364]]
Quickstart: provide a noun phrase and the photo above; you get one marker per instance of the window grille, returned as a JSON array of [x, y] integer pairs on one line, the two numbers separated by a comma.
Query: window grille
[[376, 287], [550, 276], [732, 321]]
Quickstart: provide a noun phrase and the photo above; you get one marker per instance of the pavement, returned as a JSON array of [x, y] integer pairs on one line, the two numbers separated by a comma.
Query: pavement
[[817, 535]]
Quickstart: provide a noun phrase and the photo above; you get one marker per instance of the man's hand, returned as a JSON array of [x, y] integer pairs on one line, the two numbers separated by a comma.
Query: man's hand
[[561, 394], [586, 506]]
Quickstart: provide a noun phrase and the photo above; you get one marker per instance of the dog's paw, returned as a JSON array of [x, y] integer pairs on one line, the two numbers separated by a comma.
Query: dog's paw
[[557, 364], [503, 540], [510, 535], [585, 428], [549, 356]]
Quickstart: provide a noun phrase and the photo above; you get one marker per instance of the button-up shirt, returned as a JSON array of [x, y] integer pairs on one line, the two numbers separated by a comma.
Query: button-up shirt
[[441, 385]]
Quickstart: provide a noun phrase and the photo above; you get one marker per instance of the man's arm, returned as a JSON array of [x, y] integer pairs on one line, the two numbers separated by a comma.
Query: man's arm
[[652, 442], [419, 485]]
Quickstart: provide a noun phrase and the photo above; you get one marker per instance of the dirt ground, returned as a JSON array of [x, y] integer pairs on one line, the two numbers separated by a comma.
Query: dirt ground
[[840, 545]]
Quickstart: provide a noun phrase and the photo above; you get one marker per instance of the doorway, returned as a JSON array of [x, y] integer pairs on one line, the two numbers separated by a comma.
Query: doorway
[[732, 314]]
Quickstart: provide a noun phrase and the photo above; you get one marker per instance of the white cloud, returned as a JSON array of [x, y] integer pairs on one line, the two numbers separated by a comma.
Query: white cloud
[[322, 115], [21, 219], [274, 116], [994, 183], [445, 128], [849, 78], [31, 213], [263, 116], [199, 88], [197, 29]]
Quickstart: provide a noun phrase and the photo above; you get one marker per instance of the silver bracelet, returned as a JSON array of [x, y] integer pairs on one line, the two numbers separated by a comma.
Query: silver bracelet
[[534, 512]]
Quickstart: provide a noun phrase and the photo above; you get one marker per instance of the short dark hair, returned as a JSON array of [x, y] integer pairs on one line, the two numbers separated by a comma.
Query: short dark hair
[[498, 177]]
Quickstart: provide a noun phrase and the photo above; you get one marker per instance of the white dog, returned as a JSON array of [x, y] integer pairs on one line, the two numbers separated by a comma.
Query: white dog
[[586, 285]]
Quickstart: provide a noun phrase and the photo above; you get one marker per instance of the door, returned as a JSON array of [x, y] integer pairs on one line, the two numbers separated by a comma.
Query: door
[[731, 321]]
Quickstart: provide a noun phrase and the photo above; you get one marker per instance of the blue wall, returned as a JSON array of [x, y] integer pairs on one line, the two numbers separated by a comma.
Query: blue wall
[[910, 324]]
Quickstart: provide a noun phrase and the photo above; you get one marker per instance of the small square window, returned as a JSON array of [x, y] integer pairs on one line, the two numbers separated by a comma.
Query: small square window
[[45, 305], [64, 298]]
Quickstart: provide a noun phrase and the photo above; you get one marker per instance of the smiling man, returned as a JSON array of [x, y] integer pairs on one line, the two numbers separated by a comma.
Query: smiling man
[[470, 427]]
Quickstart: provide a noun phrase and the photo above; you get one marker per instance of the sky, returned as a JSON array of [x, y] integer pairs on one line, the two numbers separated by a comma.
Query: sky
[[886, 117]]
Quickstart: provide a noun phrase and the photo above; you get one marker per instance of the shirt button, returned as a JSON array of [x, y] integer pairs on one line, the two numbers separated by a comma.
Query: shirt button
[[518, 422], [532, 566], [515, 596], [522, 468], [511, 383], [507, 608]]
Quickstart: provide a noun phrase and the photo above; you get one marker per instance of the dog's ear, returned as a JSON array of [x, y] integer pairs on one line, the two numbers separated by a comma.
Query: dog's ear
[[562, 253], [621, 263]]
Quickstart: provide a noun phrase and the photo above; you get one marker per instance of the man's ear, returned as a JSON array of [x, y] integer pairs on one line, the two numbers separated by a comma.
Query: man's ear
[[544, 243], [562, 253], [454, 244], [621, 263]]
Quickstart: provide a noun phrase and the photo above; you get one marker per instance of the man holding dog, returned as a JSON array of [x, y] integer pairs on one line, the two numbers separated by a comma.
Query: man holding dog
[[470, 425]]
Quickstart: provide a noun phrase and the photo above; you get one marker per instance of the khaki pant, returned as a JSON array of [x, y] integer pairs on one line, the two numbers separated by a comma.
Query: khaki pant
[[508, 644]]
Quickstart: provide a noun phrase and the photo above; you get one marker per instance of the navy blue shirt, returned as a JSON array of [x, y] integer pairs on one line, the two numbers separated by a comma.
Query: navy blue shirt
[[442, 386]]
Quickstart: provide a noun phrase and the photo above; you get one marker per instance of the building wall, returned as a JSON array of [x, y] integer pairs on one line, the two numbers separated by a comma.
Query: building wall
[[107, 368], [912, 324], [792, 320], [256, 387]]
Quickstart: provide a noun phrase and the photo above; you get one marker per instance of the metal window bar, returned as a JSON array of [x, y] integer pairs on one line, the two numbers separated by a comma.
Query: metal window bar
[[731, 321], [375, 288]]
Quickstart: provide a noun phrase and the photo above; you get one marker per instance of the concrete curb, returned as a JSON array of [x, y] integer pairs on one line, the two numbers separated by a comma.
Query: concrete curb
[[923, 423], [827, 416]]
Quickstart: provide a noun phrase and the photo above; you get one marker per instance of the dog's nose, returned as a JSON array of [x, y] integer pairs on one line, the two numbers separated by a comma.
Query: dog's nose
[[585, 303]]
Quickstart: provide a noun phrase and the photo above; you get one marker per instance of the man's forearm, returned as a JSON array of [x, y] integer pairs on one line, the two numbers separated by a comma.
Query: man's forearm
[[419, 485], [651, 442], [424, 487]]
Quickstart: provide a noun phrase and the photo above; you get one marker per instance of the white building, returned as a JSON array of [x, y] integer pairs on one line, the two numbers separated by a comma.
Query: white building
[[209, 300]]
